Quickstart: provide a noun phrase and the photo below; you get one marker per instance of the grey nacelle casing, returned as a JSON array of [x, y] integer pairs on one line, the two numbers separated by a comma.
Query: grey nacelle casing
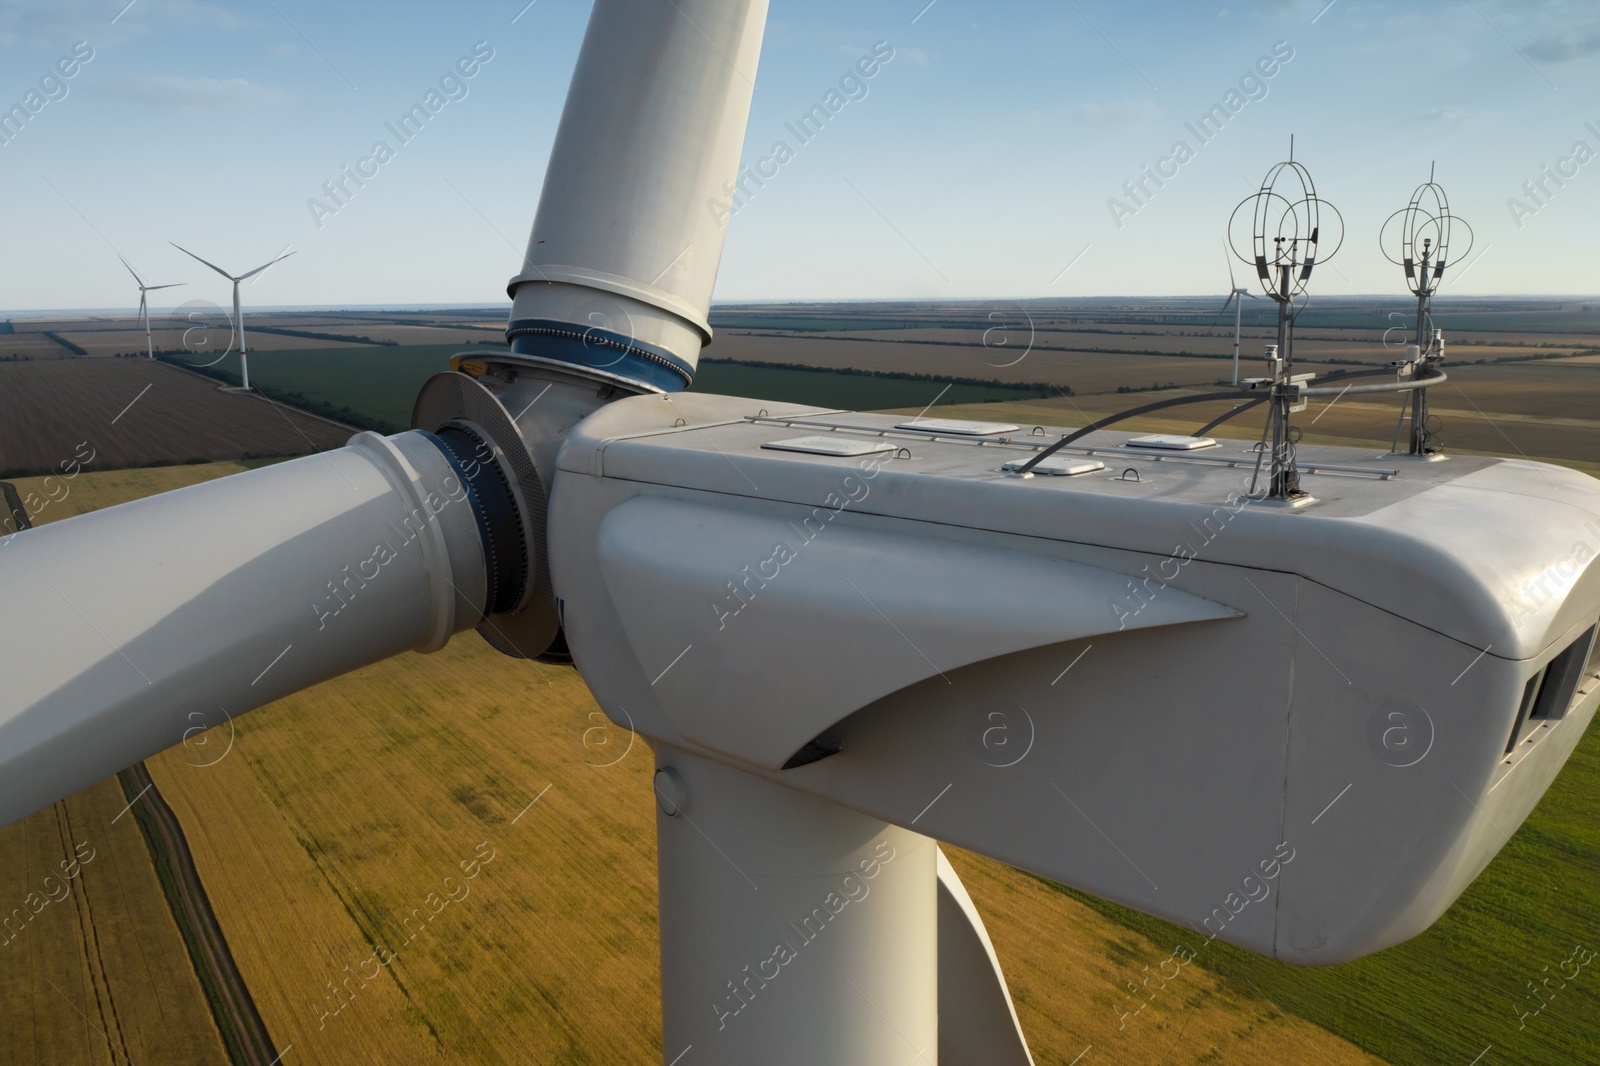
[[1285, 729]]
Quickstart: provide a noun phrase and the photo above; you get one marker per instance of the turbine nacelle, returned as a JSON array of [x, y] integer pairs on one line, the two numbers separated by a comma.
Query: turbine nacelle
[[1202, 699]]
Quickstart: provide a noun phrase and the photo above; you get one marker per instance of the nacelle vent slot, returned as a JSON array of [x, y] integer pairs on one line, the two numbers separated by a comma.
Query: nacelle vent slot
[[1549, 693], [1561, 678]]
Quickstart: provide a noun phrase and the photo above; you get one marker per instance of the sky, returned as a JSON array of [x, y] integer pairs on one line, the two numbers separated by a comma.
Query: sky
[[988, 158]]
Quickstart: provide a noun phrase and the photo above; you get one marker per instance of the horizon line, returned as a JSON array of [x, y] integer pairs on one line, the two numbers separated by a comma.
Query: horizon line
[[505, 306]]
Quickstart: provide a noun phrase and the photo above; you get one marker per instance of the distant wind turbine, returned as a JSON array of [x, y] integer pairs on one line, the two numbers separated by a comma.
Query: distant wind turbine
[[238, 315], [1238, 310], [144, 308]]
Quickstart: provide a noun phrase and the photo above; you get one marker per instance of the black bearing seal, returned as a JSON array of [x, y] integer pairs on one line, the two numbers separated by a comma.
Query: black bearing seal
[[505, 554]]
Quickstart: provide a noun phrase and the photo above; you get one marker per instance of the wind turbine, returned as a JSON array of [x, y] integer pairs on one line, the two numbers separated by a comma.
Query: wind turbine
[[822, 713], [238, 313], [144, 310], [1238, 310]]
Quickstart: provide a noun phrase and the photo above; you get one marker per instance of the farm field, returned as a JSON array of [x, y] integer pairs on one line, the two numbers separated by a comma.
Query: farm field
[[1464, 429], [199, 326], [100, 343], [96, 971], [377, 384], [338, 811], [32, 345], [1552, 318], [1257, 324], [196, 343], [418, 334], [381, 383], [135, 412], [1538, 406], [1083, 372], [1557, 389], [1009, 330]]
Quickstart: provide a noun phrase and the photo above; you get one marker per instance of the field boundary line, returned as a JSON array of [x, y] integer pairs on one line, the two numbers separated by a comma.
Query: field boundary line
[[233, 1010]]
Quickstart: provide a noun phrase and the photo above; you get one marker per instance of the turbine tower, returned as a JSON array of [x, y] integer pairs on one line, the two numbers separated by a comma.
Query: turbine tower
[[1235, 292], [144, 310], [238, 312], [813, 617]]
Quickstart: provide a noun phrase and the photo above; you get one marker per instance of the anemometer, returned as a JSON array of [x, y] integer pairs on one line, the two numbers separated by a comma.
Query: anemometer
[[1423, 229]]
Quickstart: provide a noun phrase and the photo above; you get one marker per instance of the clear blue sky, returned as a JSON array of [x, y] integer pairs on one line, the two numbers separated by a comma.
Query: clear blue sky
[[979, 164]]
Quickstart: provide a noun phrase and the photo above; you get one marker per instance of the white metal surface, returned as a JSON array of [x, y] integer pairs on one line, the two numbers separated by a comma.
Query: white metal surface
[[1059, 466], [839, 446], [794, 932], [960, 426], [1170, 442], [627, 238], [139, 625], [978, 1023], [1259, 745], [781, 611]]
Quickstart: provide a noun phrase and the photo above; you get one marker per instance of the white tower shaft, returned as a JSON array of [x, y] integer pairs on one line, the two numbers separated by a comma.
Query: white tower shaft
[[1238, 323], [244, 354], [793, 931]]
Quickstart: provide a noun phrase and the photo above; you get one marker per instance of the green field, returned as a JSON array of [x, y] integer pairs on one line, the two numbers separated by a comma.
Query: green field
[[374, 386], [1463, 985]]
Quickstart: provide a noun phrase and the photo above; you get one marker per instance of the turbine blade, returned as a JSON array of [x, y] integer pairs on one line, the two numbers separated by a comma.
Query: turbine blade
[[263, 266], [1223, 308], [1226, 258], [135, 274], [174, 285], [191, 255]]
